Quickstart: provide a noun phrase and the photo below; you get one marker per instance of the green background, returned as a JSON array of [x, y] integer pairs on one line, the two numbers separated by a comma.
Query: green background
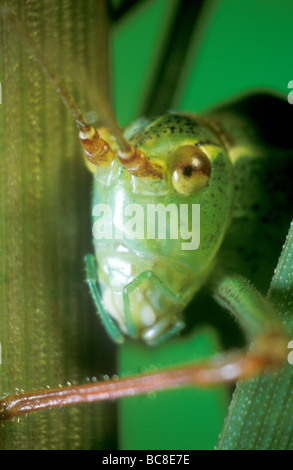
[[244, 45]]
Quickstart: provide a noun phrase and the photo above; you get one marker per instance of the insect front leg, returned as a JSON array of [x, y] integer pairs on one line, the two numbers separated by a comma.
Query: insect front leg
[[162, 329], [91, 278], [258, 318]]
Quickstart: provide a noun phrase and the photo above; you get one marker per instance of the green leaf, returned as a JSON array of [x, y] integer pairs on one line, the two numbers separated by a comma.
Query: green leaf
[[260, 415], [49, 332]]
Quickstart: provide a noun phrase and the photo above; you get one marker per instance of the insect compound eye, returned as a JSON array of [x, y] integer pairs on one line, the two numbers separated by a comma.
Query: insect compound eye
[[191, 170]]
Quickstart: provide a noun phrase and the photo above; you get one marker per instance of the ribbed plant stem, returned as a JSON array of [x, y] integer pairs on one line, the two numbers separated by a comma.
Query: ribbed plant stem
[[48, 331]]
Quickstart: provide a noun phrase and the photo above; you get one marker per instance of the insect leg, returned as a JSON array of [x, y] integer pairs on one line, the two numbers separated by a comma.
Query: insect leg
[[269, 347], [258, 318], [91, 278], [165, 327]]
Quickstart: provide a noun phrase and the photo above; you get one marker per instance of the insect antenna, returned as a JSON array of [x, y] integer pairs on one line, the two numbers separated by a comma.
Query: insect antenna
[[46, 67], [97, 150], [87, 132]]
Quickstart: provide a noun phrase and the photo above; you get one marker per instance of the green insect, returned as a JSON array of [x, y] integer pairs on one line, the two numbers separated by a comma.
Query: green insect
[[209, 161], [214, 173]]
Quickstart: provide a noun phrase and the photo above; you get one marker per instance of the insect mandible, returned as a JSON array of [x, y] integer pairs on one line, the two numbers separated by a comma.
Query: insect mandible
[[197, 168]]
